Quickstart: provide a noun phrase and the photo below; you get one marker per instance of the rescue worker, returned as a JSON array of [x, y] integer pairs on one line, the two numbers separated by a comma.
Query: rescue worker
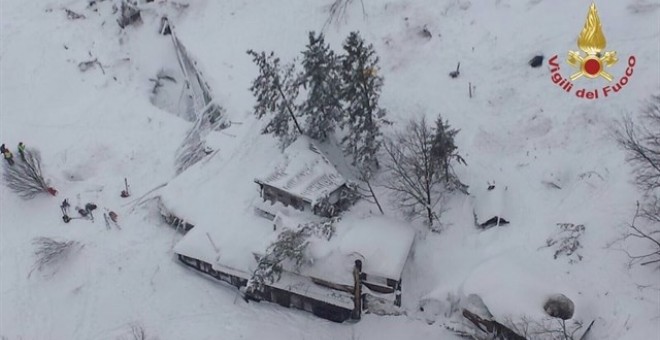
[[21, 150], [8, 157]]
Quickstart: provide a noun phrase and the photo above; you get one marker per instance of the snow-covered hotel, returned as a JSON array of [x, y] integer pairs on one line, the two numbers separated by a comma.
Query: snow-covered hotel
[[355, 265]]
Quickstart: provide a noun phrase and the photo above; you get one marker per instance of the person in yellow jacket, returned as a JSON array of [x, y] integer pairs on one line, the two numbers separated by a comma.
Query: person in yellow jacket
[[9, 157]]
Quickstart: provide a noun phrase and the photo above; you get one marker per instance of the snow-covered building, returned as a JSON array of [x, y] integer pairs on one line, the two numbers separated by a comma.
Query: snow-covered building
[[306, 180], [359, 267]]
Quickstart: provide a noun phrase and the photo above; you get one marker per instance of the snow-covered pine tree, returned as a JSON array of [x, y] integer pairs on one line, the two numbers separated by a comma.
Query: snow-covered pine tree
[[361, 91], [321, 77], [276, 89], [444, 151]]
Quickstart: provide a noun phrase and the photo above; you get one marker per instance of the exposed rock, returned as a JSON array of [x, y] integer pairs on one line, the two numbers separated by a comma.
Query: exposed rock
[[559, 306], [537, 61]]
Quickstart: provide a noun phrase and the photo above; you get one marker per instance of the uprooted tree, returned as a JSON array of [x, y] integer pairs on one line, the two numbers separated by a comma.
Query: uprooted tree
[[289, 248], [51, 253], [25, 178], [419, 167], [640, 138]]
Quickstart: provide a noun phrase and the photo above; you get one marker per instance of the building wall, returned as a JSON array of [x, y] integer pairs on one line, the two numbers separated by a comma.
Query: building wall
[[275, 195], [272, 294], [207, 268]]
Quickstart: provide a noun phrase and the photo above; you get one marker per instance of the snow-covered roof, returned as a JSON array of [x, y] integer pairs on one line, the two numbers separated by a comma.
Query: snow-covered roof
[[304, 171], [381, 243]]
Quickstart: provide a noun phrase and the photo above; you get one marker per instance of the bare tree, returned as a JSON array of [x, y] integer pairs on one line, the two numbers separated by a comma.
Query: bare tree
[[649, 234], [641, 140], [25, 178], [414, 175]]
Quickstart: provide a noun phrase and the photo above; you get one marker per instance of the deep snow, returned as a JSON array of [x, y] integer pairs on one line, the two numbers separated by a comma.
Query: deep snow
[[519, 129]]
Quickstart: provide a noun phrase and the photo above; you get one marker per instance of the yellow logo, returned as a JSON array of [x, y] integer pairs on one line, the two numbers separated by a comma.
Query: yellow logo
[[592, 42], [591, 62]]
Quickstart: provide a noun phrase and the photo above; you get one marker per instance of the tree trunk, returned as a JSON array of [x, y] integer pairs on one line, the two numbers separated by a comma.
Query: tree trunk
[[288, 108], [428, 202], [373, 194]]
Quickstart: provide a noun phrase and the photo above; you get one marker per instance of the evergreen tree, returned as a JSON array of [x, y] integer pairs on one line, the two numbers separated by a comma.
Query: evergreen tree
[[444, 151], [321, 77], [361, 91], [276, 89]]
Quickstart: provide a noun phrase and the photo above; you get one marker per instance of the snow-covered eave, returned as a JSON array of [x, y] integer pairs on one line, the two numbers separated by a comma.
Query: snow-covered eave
[[231, 271], [310, 200], [304, 286]]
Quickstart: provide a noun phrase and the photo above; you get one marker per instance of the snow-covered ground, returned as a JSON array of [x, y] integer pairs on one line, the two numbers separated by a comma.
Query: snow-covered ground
[[96, 128]]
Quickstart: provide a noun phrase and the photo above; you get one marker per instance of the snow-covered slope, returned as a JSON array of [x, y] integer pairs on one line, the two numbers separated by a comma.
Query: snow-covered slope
[[97, 127]]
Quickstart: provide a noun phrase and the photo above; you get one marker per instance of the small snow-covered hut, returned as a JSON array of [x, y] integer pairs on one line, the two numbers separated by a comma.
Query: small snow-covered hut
[[359, 267], [491, 206], [306, 180]]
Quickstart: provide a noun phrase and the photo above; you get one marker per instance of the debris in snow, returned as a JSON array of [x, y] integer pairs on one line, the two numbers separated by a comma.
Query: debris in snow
[[643, 6], [494, 221], [491, 326], [566, 241], [125, 193], [110, 218], [162, 75], [71, 15], [107, 221], [137, 332], [537, 61], [83, 66], [455, 74], [129, 14], [425, 33], [551, 185], [165, 27], [337, 12]]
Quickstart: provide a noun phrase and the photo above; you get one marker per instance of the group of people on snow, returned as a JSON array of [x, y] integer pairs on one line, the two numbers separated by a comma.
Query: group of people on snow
[[84, 213], [9, 157]]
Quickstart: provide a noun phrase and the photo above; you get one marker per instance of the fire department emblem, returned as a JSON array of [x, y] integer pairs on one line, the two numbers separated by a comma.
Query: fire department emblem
[[592, 42]]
